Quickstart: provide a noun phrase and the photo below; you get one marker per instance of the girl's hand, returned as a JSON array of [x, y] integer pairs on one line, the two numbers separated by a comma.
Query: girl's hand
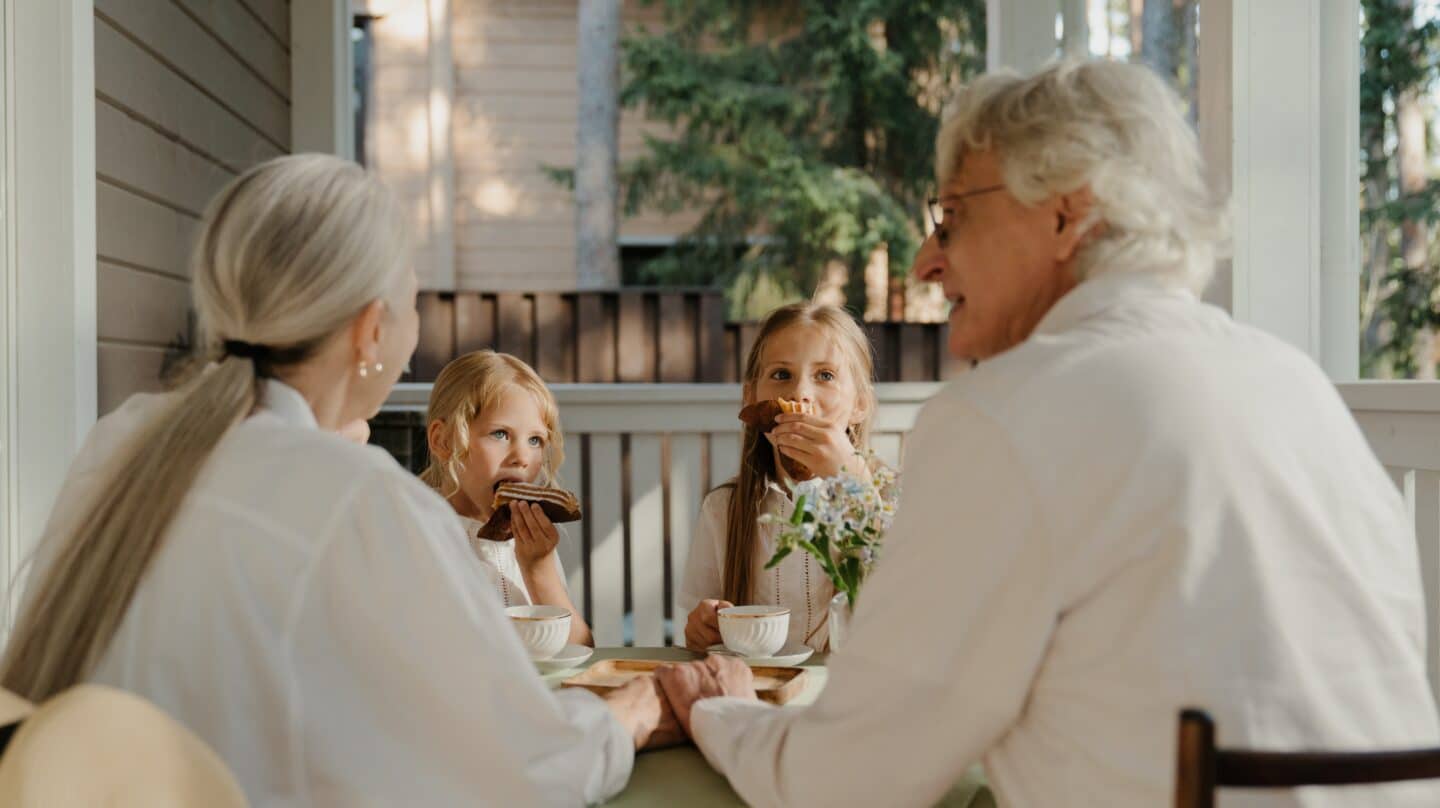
[[536, 537], [822, 446], [702, 629]]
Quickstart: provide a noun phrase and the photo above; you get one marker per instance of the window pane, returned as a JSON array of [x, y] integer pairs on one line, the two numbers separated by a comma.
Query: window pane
[[1399, 295]]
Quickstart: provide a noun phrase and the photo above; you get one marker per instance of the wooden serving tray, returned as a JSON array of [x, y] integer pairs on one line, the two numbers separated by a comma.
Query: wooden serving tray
[[773, 685]]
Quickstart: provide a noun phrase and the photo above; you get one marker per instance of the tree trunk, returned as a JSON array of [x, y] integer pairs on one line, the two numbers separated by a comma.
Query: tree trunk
[[1136, 31], [597, 152], [1410, 155], [1189, 18], [1157, 48], [1377, 257]]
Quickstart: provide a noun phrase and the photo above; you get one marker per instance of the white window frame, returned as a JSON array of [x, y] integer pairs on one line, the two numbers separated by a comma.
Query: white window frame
[[48, 362], [321, 78]]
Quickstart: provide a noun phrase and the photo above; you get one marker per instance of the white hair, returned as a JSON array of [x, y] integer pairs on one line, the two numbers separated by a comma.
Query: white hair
[[1115, 127]]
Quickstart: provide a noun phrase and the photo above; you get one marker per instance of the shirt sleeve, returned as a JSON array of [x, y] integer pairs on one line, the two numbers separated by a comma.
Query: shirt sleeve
[[705, 565], [948, 634], [409, 682]]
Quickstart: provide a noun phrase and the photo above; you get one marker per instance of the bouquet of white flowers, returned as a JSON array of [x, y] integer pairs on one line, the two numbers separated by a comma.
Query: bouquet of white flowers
[[841, 521]]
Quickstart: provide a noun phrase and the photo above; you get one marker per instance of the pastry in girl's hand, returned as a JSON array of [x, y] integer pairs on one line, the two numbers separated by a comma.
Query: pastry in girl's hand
[[761, 415], [558, 504]]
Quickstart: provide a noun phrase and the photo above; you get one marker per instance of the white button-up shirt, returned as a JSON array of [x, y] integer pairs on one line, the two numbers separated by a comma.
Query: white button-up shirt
[[317, 616], [1143, 507]]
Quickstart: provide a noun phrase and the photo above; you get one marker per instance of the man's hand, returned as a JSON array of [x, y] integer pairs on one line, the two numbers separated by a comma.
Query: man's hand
[[702, 628], [713, 676]]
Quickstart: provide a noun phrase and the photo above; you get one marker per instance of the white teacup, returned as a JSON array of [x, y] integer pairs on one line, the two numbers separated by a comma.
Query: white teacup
[[543, 630], [754, 631]]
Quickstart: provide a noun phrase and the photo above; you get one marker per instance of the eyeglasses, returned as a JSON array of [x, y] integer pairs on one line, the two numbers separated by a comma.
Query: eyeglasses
[[937, 210]]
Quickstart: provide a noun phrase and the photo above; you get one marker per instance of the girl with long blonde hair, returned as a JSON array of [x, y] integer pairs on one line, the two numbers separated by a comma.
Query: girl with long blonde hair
[[817, 355], [301, 602], [492, 420]]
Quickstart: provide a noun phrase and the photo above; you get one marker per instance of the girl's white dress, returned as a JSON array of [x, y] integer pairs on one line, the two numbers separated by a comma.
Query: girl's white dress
[[501, 565], [796, 582]]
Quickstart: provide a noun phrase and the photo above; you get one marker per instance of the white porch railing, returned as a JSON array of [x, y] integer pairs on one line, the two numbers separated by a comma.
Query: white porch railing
[[1402, 422], [641, 457]]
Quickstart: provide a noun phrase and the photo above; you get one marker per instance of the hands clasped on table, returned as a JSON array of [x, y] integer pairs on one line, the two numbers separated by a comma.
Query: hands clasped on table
[[657, 709]]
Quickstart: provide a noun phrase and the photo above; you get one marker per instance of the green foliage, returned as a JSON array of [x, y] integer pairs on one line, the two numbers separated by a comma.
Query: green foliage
[[1399, 57], [803, 132]]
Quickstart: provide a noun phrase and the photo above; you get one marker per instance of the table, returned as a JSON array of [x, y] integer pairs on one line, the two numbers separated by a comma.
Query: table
[[681, 775]]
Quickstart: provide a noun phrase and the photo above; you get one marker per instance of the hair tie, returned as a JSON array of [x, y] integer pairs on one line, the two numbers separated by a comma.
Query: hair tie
[[248, 350]]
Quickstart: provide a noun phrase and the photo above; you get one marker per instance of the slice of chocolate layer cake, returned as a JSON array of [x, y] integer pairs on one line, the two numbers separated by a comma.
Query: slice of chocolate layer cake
[[557, 503]]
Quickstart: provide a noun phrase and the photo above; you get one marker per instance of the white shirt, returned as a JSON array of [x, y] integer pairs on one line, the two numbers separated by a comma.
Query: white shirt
[[318, 618], [1143, 507], [796, 583], [502, 566]]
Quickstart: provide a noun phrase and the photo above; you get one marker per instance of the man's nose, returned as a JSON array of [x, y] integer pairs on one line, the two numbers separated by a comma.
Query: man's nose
[[930, 262]]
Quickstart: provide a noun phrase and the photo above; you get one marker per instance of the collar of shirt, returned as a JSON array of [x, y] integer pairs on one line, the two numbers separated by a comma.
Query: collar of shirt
[[286, 403], [1096, 294]]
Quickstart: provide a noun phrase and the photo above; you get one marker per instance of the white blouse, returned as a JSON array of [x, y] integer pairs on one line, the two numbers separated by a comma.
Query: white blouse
[[502, 566], [316, 616], [1144, 507], [796, 583]]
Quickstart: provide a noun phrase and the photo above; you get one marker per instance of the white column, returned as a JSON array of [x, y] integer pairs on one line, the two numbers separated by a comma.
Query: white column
[[1075, 39], [1340, 188], [48, 215], [321, 78], [1020, 34], [1279, 100]]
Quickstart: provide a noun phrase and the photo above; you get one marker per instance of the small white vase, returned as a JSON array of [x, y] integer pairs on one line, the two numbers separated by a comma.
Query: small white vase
[[839, 620]]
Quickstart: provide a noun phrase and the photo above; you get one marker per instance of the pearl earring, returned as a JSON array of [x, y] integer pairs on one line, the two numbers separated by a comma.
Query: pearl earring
[[365, 371]]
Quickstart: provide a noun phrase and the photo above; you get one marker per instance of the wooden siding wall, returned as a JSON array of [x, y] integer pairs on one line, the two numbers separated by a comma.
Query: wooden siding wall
[[512, 110], [188, 94]]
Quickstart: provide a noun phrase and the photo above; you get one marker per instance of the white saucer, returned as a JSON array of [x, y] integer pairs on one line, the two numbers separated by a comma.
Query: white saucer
[[787, 657], [571, 656]]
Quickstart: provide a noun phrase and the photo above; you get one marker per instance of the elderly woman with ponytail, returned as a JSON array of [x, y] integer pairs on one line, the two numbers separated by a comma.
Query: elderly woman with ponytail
[[301, 602]]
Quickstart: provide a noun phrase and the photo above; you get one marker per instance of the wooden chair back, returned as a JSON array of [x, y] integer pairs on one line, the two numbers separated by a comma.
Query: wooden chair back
[[1201, 767]]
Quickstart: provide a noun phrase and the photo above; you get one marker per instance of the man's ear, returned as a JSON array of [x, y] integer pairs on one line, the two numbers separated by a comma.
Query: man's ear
[[1074, 222]]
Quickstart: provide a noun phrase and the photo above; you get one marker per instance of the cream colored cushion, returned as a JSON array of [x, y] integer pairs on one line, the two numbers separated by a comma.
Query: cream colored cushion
[[95, 745]]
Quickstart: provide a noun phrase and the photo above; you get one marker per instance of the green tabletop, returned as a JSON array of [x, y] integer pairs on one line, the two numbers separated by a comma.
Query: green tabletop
[[680, 774]]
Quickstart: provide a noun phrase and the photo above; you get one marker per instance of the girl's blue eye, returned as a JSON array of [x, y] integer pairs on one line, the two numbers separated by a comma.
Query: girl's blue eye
[[500, 434], [537, 441], [780, 375], [826, 376]]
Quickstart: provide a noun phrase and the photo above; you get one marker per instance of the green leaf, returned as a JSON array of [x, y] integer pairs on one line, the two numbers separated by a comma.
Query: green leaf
[[778, 557]]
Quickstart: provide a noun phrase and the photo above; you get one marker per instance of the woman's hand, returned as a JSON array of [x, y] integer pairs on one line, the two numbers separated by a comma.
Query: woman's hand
[[641, 708], [536, 537], [702, 629], [357, 430], [823, 447]]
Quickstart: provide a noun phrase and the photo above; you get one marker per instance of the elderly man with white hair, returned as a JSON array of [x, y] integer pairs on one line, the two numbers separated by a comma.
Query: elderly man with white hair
[[1131, 505]]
